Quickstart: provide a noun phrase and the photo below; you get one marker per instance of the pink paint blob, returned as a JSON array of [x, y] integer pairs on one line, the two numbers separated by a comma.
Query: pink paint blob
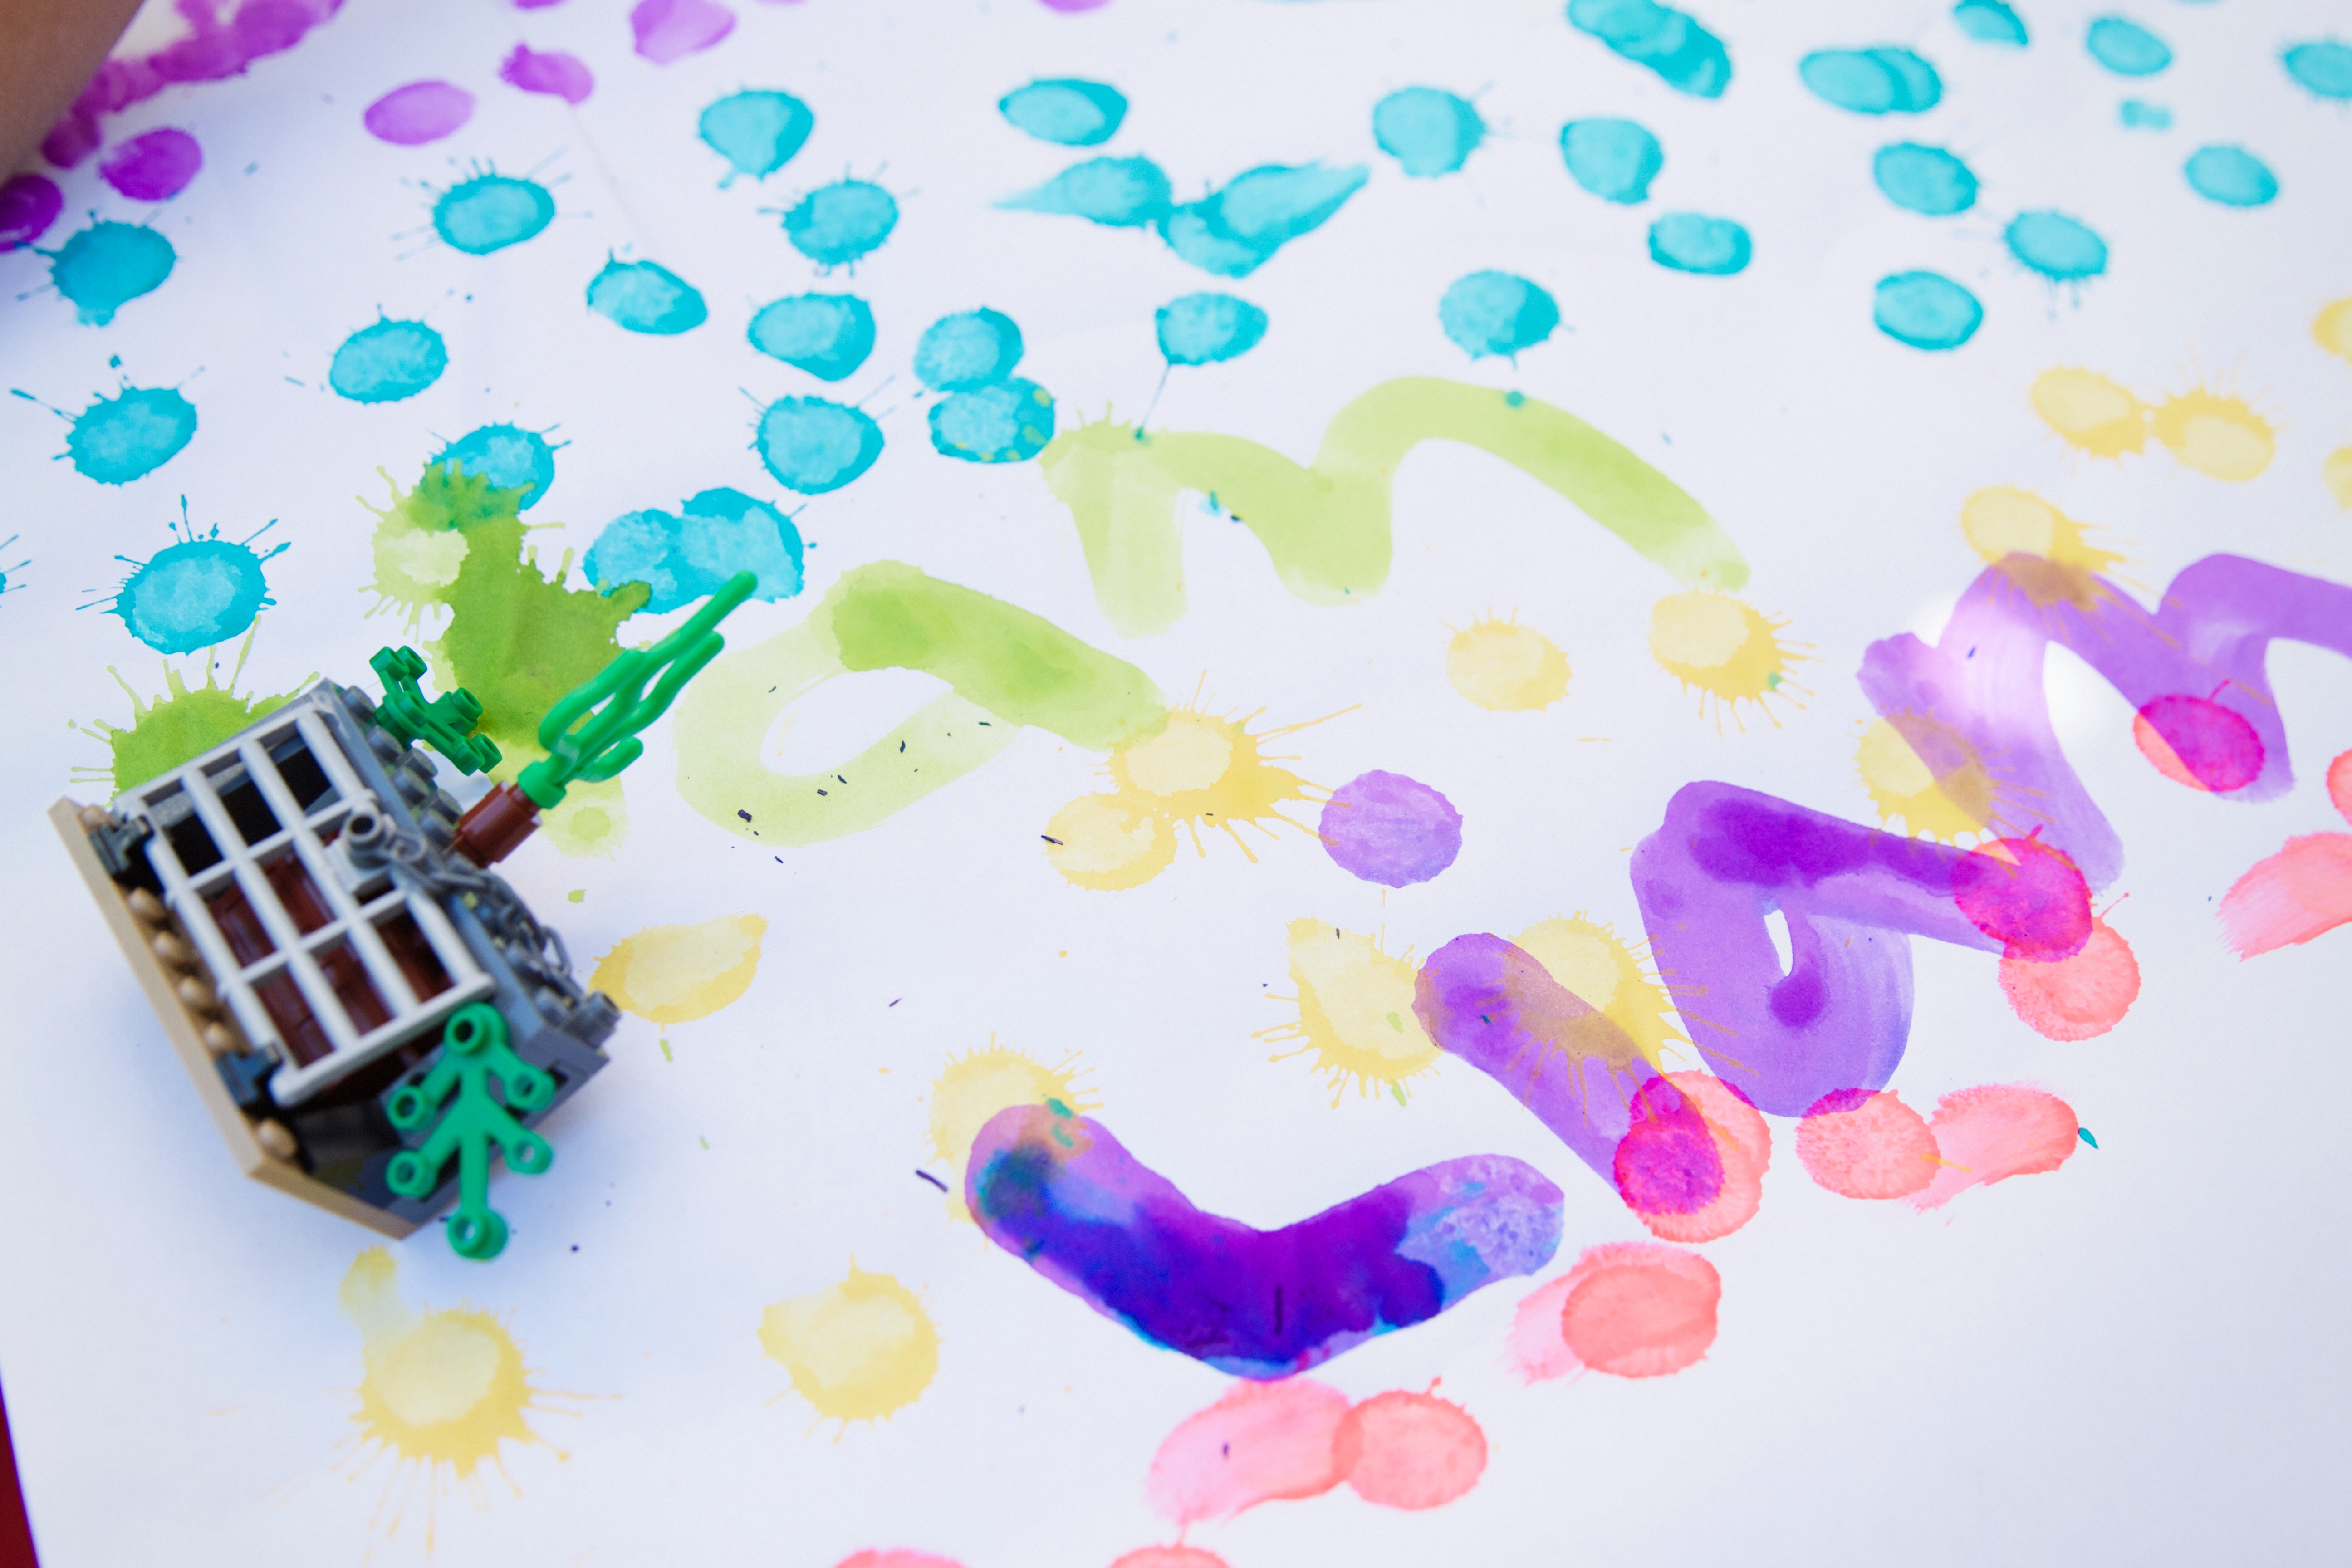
[[1667, 1162], [1743, 1149], [1170, 1557], [1863, 1146], [222, 42], [1410, 1450], [562, 76], [1534, 1349], [1991, 1134], [2196, 742], [1635, 1309], [1071, 7], [2303, 892], [670, 30], [535, 5], [28, 205], [2076, 998], [2026, 894], [419, 113], [153, 167], [873, 1559], [1263, 1441], [2339, 784]]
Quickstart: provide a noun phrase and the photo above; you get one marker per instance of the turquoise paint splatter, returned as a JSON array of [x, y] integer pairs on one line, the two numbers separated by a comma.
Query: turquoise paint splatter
[[2138, 116], [388, 362], [813, 444], [1692, 242], [1009, 422], [2056, 245], [1066, 110], [686, 558], [490, 212], [1873, 81], [2323, 68], [5, 585], [1614, 158], [1203, 329], [510, 457], [1496, 313], [107, 266], [1989, 22], [195, 594], [2084, 1134], [1923, 179], [1118, 192], [644, 298], [118, 440], [2125, 48], [2231, 176], [967, 352], [757, 131], [1925, 310], [1237, 229], [827, 335], [1686, 57], [1428, 130], [836, 224]]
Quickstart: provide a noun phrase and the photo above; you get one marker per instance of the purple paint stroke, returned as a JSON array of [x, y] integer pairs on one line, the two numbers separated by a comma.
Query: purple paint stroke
[[670, 30], [153, 167], [215, 48], [1388, 828], [28, 205], [418, 112], [1058, 1192], [535, 5], [563, 76]]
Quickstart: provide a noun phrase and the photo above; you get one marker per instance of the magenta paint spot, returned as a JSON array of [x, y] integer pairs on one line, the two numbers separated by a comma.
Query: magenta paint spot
[[535, 5], [1388, 828], [154, 167], [419, 113], [28, 205], [566, 76], [2196, 742], [1667, 1162], [1073, 7], [2027, 895], [669, 30]]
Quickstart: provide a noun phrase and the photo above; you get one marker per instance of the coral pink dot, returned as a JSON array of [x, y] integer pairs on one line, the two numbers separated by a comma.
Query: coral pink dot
[[1170, 1557], [1991, 1134], [897, 1559], [1864, 1146], [2027, 895], [1262, 1441], [2075, 998], [2196, 741], [1410, 1450], [1743, 1144], [1640, 1310], [2339, 784]]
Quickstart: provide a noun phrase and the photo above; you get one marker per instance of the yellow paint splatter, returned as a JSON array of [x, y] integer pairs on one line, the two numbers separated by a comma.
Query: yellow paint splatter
[[1355, 1010], [2003, 524], [2333, 328], [1506, 667], [1589, 958], [1928, 774], [673, 974], [856, 1351], [2337, 472], [2090, 412], [2222, 437], [974, 1088], [1723, 648]]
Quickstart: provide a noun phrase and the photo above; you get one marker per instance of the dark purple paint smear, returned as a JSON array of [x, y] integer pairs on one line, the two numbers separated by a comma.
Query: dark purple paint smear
[[153, 167], [1388, 828], [216, 48], [418, 112], [28, 205], [563, 76], [1057, 1191]]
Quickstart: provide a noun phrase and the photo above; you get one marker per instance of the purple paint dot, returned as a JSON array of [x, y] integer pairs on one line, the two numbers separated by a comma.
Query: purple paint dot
[[420, 113], [668, 30], [28, 205], [565, 76], [154, 167], [1386, 827]]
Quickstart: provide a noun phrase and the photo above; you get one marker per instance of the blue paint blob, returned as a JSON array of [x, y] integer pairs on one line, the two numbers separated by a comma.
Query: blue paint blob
[[1428, 130], [1923, 179], [1925, 310], [118, 440], [756, 130], [107, 266], [195, 594], [510, 457], [1614, 158], [813, 444], [2125, 48], [1066, 110], [2138, 116], [838, 223], [827, 335], [1496, 313], [1686, 57], [388, 362], [1118, 192], [2231, 176], [1691, 242], [490, 212], [1873, 81], [1237, 229], [1989, 22], [1202, 329], [641, 297], [2056, 245], [637, 547], [1010, 422], [686, 558], [2323, 68], [962, 353]]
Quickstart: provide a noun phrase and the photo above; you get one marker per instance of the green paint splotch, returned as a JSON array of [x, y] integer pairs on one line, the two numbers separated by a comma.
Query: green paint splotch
[[421, 536], [169, 731], [1006, 668], [1326, 526]]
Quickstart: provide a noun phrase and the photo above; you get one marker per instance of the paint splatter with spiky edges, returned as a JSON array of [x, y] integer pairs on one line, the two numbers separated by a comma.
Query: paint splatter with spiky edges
[[167, 731], [1726, 651], [1355, 1012], [974, 1087], [2210, 431]]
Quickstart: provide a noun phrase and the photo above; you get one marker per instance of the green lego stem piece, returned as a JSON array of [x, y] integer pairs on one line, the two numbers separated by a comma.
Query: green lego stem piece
[[446, 724], [474, 1050], [584, 742]]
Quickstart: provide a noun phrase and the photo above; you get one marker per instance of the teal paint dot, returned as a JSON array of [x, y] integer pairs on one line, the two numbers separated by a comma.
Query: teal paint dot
[[1496, 313], [838, 223], [388, 362], [827, 335], [812, 445], [2125, 48], [510, 457], [1203, 329], [683, 558], [756, 130], [1009, 422], [1923, 179], [107, 266], [2056, 245], [195, 594], [1118, 192], [1989, 22], [1614, 158], [962, 353], [1873, 81], [1692, 242], [2231, 176], [1685, 55], [2138, 116], [118, 440], [2323, 68], [641, 297], [637, 547], [490, 212], [1237, 229], [1925, 310], [1065, 110], [1428, 130]]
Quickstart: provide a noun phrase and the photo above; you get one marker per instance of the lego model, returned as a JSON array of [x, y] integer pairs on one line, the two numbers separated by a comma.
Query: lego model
[[368, 1010]]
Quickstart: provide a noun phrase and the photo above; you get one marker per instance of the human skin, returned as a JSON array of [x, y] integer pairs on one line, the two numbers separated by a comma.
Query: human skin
[[48, 49]]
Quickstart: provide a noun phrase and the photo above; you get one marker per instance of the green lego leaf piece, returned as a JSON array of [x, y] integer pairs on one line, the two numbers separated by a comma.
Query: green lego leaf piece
[[474, 1050], [586, 741], [446, 724]]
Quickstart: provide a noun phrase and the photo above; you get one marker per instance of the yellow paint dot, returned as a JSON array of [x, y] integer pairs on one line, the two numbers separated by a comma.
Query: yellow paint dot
[[576, 894], [1588, 960], [2333, 328], [674, 975], [2337, 472], [974, 1088], [1720, 646], [1108, 842], [856, 1351], [1191, 754], [2038, 547], [1355, 1010], [2090, 412], [2218, 435], [1195, 770], [1506, 667], [1944, 797]]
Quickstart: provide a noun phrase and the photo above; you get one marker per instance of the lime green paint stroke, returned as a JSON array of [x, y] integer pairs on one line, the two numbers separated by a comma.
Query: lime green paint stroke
[[1326, 527], [1007, 668], [169, 731]]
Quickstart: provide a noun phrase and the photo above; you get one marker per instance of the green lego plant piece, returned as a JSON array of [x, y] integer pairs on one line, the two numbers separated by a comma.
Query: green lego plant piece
[[584, 741], [474, 1050], [446, 724]]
